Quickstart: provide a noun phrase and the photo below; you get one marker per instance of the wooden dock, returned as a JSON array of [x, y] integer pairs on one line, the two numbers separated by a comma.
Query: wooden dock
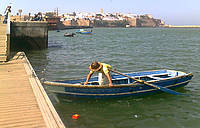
[[24, 102], [4, 43]]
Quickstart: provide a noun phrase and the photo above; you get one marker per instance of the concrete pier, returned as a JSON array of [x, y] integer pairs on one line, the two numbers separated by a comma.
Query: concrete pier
[[21, 36], [24, 102], [28, 35]]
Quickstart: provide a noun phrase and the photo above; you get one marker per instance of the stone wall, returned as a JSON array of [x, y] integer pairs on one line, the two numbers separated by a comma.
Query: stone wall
[[67, 23], [80, 22], [110, 23], [132, 22], [148, 22], [143, 21], [83, 22]]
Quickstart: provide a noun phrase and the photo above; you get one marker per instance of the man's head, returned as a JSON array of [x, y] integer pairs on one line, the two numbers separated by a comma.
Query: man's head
[[95, 66]]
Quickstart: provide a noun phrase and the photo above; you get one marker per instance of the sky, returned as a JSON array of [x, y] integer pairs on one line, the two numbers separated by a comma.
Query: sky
[[173, 12]]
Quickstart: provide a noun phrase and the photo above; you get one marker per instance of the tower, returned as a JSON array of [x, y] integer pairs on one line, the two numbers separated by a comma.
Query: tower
[[101, 11]]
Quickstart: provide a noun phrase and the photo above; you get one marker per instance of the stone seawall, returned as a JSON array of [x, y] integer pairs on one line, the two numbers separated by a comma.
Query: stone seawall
[[29, 35]]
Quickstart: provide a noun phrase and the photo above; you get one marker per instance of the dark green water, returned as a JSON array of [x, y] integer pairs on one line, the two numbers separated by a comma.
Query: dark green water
[[132, 49]]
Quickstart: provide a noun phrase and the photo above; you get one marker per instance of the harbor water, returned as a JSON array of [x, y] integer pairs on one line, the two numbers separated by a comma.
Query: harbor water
[[127, 50]]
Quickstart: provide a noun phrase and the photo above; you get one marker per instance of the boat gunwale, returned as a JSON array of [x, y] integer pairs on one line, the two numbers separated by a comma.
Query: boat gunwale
[[53, 83], [116, 94]]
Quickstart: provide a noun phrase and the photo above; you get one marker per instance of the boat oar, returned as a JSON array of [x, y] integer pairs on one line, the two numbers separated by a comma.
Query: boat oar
[[152, 85]]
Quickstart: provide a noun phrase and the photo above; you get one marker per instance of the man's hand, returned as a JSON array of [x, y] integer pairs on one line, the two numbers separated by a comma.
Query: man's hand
[[140, 81]]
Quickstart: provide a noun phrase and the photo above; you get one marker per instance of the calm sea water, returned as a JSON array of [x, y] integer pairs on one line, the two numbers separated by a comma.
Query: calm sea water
[[128, 50]]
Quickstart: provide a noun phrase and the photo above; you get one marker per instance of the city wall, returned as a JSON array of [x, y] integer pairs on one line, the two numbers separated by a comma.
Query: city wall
[[132, 22], [148, 22]]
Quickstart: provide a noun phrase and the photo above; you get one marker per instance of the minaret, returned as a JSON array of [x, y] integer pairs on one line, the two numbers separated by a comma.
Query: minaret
[[101, 11]]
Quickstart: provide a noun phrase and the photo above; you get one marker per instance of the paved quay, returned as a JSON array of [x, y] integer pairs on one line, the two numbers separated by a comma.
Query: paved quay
[[24, 102]]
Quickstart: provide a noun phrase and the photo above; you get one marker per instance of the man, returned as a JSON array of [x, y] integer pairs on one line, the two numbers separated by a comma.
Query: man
[[7, 11], [104, 74]]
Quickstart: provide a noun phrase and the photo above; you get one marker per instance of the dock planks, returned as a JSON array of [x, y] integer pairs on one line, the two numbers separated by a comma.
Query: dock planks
[[24, 102]]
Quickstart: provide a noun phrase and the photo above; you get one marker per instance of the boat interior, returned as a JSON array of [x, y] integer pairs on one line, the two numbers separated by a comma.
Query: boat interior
[[145, 76]]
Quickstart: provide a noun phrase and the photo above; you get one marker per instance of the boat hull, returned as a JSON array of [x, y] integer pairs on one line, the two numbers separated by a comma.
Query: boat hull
[[84, 31], [122, 90]]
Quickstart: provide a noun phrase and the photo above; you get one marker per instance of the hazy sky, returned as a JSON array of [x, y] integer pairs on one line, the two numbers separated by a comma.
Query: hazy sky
[[174, 12]]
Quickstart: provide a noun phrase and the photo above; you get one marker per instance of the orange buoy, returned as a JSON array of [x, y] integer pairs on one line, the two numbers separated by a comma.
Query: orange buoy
[[75, 116]]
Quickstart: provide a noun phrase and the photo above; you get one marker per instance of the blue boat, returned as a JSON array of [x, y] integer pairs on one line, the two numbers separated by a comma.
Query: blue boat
[[122, 86], [82, 31]]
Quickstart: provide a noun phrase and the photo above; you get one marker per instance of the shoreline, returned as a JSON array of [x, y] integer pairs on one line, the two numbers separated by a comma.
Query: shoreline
[[67, 28], [182, 26]]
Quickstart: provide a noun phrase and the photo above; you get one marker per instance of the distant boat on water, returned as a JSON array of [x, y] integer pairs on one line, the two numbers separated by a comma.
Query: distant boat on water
[[82, 31], [69, 34], [127, 26]]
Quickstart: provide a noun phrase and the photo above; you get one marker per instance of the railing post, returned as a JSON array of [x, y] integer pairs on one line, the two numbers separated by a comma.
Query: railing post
[[8, 36]]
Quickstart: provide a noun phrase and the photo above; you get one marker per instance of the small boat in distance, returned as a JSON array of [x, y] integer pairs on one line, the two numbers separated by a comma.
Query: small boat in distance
[[82, 31], [122, 86], [69, 34]]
